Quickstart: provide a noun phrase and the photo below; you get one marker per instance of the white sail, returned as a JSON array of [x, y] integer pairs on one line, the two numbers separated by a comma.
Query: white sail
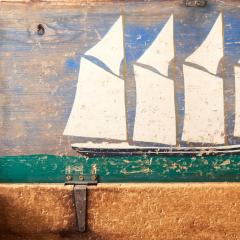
[[161, 51], [204, 100], [110, 49], [155, 119], [210, 51], [237, 101], [99, 106], [204, 107]]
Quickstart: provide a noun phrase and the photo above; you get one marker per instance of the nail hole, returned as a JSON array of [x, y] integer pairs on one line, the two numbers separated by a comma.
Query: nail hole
[[40, 29], [201, 3]]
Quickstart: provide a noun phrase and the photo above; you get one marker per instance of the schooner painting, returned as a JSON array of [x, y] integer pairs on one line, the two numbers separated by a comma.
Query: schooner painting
[[99, 109], [132, 91]]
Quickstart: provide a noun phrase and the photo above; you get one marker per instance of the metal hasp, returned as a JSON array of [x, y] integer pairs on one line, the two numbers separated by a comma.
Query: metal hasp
[[78, 177], [80, 200], [80, 197], [195, 3]]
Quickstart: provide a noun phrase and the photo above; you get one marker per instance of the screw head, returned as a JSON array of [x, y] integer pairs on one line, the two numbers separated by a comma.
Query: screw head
[[81, 177], [68, 177]]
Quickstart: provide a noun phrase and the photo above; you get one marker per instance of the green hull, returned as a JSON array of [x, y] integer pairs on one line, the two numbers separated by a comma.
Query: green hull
[[53, 169]]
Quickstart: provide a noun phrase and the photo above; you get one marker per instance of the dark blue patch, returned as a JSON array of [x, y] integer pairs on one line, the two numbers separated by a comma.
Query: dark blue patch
[[72, 63], [232, 36]]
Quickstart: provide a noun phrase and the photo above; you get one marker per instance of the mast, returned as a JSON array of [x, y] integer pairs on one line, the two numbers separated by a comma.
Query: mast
[[204, 98]]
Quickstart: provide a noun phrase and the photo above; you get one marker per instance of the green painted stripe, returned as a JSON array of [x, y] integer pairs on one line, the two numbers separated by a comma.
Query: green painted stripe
[[52, 169]]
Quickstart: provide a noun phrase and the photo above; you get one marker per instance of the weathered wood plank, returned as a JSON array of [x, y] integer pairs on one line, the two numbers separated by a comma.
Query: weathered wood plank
[[122, 211], [39, 72]]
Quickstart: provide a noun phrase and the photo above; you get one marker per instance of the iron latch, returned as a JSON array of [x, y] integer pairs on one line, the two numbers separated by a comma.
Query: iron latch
[[80, 201], [80, 182]]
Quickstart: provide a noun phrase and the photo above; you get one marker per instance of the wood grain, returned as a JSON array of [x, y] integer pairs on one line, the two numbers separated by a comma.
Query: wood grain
[[38, 73], [123, 211]]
